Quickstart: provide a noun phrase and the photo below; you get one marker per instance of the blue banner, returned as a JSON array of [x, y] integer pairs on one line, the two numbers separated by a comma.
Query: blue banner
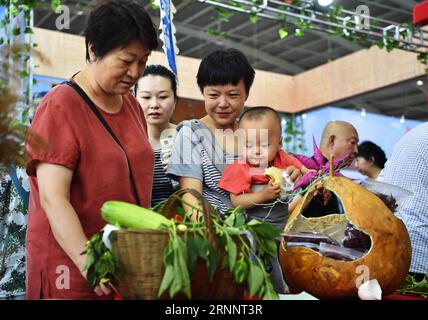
[[2, 30], [167, 33]]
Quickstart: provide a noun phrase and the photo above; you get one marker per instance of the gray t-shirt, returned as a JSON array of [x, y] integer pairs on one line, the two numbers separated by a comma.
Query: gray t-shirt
[[190, 159], [274, 213]]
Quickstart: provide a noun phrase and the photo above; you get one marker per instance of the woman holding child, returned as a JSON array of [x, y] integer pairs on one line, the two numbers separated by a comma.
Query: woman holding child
[[204, 147], [245, 180]]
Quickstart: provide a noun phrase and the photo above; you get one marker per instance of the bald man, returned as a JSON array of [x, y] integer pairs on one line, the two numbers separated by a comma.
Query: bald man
[[338, 139]]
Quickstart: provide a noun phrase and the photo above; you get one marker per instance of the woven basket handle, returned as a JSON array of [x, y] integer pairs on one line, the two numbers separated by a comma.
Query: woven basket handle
[[168, 210]]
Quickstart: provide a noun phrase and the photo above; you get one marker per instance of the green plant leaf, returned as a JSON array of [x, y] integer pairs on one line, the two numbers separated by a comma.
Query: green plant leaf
[[177, 282], [201, 246], [231, 252], [211, 262], [270, 293], [266, 230], [90, 260], [168, 254], [254, 222], [55, 4], [91, 277], [23, 73], [14, 11], [271, 247], [282, 32], [254, 17], [240, 271], [233, 231], [255, 279], [299, 33], [182, 256], [191, 254], [239, 219], [230, 220]]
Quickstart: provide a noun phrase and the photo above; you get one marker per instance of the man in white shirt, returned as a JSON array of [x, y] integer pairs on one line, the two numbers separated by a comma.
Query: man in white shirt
[[408, 168]]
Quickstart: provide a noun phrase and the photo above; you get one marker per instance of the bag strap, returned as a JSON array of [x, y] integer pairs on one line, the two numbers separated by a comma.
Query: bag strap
[[211, 147], [25, 195], [92, 106]]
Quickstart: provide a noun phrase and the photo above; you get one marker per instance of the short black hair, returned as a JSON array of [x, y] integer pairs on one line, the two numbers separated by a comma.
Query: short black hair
[[159, 70], [372, 152], [260, 112], [223, 67], [115, 24]]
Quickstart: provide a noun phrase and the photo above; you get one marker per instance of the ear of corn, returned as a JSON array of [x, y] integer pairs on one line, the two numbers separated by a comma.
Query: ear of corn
[[274, 174], [128, 215]]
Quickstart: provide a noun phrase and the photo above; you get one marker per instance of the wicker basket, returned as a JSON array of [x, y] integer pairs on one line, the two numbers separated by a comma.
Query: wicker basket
[[141, 268]]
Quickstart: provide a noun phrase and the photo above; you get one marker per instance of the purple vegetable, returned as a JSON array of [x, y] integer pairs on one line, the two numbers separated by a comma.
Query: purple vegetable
[[389, 201], [317, 165], [356, 239]]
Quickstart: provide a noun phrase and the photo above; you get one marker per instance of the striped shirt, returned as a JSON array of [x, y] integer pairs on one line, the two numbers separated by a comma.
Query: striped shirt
[[190, 159], [408, 168], [162, 185]]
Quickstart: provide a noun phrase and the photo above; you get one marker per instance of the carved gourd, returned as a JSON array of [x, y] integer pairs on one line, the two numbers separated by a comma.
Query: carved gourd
[[387, 260]]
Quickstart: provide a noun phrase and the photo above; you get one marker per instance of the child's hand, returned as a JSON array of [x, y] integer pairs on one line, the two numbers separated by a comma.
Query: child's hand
[[305, 170], [294, 173], [271, 191]]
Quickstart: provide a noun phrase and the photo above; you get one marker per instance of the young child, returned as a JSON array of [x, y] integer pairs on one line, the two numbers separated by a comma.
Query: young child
[[249, 187], [246, 181]]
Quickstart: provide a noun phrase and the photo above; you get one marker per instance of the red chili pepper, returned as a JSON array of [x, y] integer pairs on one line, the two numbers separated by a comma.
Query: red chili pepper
[[178, 218], [246, 296]]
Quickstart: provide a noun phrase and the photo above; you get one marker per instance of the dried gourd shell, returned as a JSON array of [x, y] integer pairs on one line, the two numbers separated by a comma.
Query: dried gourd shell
[[387, 260]]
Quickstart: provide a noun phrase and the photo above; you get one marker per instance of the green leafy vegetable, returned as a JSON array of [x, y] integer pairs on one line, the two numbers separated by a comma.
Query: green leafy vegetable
[[185, 249], [101, 263], [411, 286]]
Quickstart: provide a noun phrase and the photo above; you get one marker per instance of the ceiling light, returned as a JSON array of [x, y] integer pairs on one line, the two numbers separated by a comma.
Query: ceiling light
[[402, 119], [325, 3], [363, 112], [419, 83], [304, 116]]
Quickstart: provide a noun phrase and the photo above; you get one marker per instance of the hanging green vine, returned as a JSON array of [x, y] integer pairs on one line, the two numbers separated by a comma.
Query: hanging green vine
[[334, 14], [294, 134]]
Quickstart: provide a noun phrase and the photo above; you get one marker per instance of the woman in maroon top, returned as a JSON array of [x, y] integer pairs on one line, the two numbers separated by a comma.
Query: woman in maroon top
[[81, 166]]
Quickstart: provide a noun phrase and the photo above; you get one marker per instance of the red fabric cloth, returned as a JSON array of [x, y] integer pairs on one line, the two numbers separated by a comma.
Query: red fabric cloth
[[239, 177], [402, 297], [77, 140]]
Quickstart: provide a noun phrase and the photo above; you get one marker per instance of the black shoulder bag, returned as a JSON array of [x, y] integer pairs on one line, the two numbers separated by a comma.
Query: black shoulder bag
[[91, 105]]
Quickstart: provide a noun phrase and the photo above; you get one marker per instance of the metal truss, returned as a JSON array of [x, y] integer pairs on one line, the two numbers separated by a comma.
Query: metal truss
[[357, 26]]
